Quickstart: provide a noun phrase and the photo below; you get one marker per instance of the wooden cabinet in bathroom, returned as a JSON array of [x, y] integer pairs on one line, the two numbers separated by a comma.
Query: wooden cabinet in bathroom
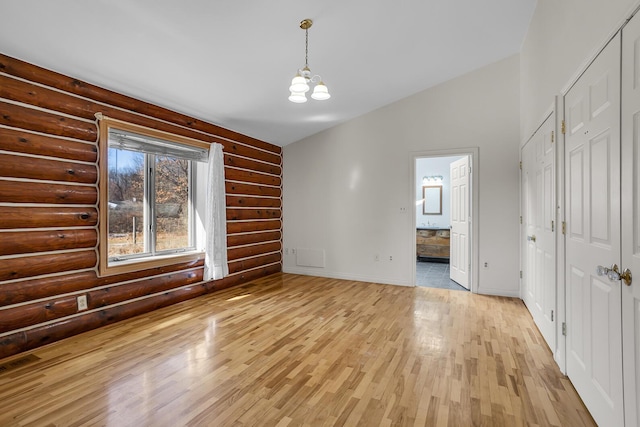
[[432, 244]]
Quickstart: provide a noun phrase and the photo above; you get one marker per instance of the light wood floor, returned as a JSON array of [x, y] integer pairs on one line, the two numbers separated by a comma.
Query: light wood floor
[[293, 350]]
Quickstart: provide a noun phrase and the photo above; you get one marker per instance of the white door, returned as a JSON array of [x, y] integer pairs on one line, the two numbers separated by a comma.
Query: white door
[[592, 167], [539, 225], [459, 260], [630, 216]]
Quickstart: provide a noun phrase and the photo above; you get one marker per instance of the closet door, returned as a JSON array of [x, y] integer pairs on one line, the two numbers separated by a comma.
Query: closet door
[[538, 192], [592, 193], [630, 135]]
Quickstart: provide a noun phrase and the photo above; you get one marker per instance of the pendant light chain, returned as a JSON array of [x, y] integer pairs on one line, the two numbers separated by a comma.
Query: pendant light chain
[[306, 48]]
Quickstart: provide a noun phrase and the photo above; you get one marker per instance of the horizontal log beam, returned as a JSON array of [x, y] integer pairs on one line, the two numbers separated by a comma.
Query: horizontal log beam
[[253, 202], [243, 150], [44, 145], [25, 242], [250, 226], [147, 286], [27, 290], [252, 238], [29, 217], [32, 314], [244, 214], [49, 123], [252, 189], [18, 268], [253, 250], [249, 263], [30, 192], [253, 177], [28, 93], [244, 163], [45, 169]]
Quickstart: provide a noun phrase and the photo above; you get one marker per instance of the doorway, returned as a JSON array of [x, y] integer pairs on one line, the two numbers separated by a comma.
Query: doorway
[[444, 245]]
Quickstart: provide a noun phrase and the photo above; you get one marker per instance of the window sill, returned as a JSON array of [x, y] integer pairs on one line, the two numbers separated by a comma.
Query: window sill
[[131, 265]]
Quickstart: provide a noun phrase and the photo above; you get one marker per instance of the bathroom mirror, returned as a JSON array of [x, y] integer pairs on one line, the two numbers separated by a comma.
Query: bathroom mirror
[[432, 199]]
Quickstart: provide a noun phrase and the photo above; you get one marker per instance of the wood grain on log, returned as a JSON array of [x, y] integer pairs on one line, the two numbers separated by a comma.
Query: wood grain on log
[[19, 268], [30, 217], [20, 141], [24, 242]]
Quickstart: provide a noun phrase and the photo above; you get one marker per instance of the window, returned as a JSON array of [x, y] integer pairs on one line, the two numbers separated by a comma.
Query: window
[[147, 197]]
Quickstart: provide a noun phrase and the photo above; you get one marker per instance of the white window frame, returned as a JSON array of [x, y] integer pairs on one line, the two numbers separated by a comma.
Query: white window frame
[[130, 263]]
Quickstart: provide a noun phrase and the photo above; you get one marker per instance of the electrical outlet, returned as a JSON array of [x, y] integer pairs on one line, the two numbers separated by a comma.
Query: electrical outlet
[[82, 302], [376, 257], [286, 251], [486, 265], [293, 251], [403, 209], [390, 258]]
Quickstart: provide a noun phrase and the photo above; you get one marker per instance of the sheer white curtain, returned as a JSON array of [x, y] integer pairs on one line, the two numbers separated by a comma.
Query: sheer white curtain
[[215, 260]]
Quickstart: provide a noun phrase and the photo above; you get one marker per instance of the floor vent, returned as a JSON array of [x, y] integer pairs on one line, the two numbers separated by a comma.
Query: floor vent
[[17, 363]]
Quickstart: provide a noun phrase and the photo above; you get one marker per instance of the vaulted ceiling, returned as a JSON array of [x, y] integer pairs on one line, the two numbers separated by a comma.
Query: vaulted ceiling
[[231, 62]]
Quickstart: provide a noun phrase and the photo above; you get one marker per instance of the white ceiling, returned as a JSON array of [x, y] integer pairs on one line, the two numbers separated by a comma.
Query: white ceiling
[[231, 62]]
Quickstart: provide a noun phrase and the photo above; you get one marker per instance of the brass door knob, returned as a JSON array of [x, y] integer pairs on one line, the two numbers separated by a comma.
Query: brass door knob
[[626, 276]]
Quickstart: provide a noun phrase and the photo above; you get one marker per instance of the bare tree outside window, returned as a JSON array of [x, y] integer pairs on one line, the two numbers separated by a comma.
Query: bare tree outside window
[[172, 203], [131, 224]]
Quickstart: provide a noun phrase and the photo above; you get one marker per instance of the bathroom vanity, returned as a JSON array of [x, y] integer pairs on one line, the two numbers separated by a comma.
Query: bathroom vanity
[[432, 244]]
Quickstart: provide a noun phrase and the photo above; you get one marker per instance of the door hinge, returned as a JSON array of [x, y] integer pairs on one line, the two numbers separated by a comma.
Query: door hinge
[[564, 329], [564, 127], [520, 219], [521, 274], [552, 315], [553, 139], [553, 226], [564, 227], [520, 165]]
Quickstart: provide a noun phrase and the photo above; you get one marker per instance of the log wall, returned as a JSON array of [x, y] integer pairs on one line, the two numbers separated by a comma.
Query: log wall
[[49, 209]]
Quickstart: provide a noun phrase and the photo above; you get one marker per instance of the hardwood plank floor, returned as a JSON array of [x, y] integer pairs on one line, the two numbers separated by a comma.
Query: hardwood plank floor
[[291, 350]]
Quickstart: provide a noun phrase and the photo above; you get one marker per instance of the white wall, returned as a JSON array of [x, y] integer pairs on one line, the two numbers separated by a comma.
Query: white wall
[[430, 166], [562, 37], [348, 190]]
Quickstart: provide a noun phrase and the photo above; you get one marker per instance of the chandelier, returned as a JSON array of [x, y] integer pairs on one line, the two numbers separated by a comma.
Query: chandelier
[[300, 83]]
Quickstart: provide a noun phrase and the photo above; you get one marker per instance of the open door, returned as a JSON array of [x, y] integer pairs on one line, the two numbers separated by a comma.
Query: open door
[[459, 240]]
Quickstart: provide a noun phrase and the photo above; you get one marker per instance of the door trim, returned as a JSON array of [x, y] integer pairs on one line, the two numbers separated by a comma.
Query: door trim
[[473, 153]]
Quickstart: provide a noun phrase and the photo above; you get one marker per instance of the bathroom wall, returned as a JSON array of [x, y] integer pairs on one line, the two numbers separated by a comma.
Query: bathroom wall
[[428, 167]]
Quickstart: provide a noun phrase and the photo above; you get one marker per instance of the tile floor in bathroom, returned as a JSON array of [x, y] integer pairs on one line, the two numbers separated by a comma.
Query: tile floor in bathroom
[[435, 275]]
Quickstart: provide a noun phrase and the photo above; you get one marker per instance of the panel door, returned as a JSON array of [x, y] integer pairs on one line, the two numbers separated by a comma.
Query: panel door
[[459, 236], [592, 167], [630, 136], [538, 171], [528, 183]]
